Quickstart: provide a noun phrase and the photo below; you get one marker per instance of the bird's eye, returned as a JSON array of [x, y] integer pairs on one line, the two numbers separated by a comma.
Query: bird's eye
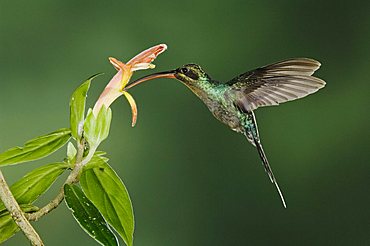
[[189, 73], [184, 70]]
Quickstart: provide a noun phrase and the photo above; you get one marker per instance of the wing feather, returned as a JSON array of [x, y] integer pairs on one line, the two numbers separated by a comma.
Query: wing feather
[[277, 83]]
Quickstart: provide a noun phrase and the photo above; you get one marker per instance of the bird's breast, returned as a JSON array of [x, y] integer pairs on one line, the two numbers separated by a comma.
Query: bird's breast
[[226, 113], [219, 101]]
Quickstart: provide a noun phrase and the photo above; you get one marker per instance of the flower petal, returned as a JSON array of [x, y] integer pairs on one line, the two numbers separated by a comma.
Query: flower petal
[[116, 63], [132, 103], [147, 56], [117, 84], [142, 66], [108, 96]]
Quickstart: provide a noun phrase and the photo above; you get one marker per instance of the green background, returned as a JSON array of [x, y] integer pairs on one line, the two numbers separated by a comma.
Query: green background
[[193, 181]]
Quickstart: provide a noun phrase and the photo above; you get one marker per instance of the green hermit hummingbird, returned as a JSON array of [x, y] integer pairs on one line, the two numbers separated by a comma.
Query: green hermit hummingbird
[[233, 103]]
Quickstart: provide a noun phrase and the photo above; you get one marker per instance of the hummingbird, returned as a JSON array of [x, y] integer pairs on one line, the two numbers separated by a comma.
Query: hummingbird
[[234, 102]]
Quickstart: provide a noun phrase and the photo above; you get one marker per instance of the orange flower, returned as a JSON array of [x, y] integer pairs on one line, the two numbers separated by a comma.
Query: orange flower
[[115, 87]]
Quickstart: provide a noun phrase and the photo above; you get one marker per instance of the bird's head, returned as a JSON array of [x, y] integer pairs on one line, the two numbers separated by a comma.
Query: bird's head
[[189, 74]]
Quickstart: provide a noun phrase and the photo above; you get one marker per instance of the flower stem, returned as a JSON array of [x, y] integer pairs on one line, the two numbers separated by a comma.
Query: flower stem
[[17, 214]]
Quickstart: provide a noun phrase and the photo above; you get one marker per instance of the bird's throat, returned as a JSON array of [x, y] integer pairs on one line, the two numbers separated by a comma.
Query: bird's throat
[[207, 90]]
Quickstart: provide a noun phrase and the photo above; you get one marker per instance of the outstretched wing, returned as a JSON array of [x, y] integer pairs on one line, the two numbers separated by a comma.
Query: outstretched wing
[[277, 83]]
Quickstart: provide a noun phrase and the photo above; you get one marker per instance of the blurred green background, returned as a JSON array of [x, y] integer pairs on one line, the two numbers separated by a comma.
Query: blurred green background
[[192, 180]]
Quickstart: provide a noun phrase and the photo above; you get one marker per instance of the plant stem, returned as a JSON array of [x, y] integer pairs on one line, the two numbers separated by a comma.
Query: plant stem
[[72, 178], [17, 214]]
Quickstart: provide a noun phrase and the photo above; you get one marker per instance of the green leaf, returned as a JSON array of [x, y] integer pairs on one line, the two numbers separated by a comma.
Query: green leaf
[[108, 193], [7, 225], [88, 216], [71, 152], [36, 148], [32, 185], [101, 154], [96, 160], [77, 107], [96, 129]]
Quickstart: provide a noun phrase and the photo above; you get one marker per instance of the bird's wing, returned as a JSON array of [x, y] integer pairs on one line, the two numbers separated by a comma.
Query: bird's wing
[[277, 83]]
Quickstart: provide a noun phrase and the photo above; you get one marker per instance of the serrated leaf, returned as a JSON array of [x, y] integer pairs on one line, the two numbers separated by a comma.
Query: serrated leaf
[[77, 107], [7, 225], [35, 183], [96, 129], [36, 148], [88, 216], [108, 193]]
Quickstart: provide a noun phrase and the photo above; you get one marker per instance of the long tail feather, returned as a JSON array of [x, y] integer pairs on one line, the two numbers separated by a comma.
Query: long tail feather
[[268, 169], [251, 132]]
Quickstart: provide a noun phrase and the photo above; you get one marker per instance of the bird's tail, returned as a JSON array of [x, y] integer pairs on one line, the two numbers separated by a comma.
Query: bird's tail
[[253, 137], [268, 169]]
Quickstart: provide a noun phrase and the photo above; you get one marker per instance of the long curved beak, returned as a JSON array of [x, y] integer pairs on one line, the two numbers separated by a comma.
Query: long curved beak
[[166, 74]]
